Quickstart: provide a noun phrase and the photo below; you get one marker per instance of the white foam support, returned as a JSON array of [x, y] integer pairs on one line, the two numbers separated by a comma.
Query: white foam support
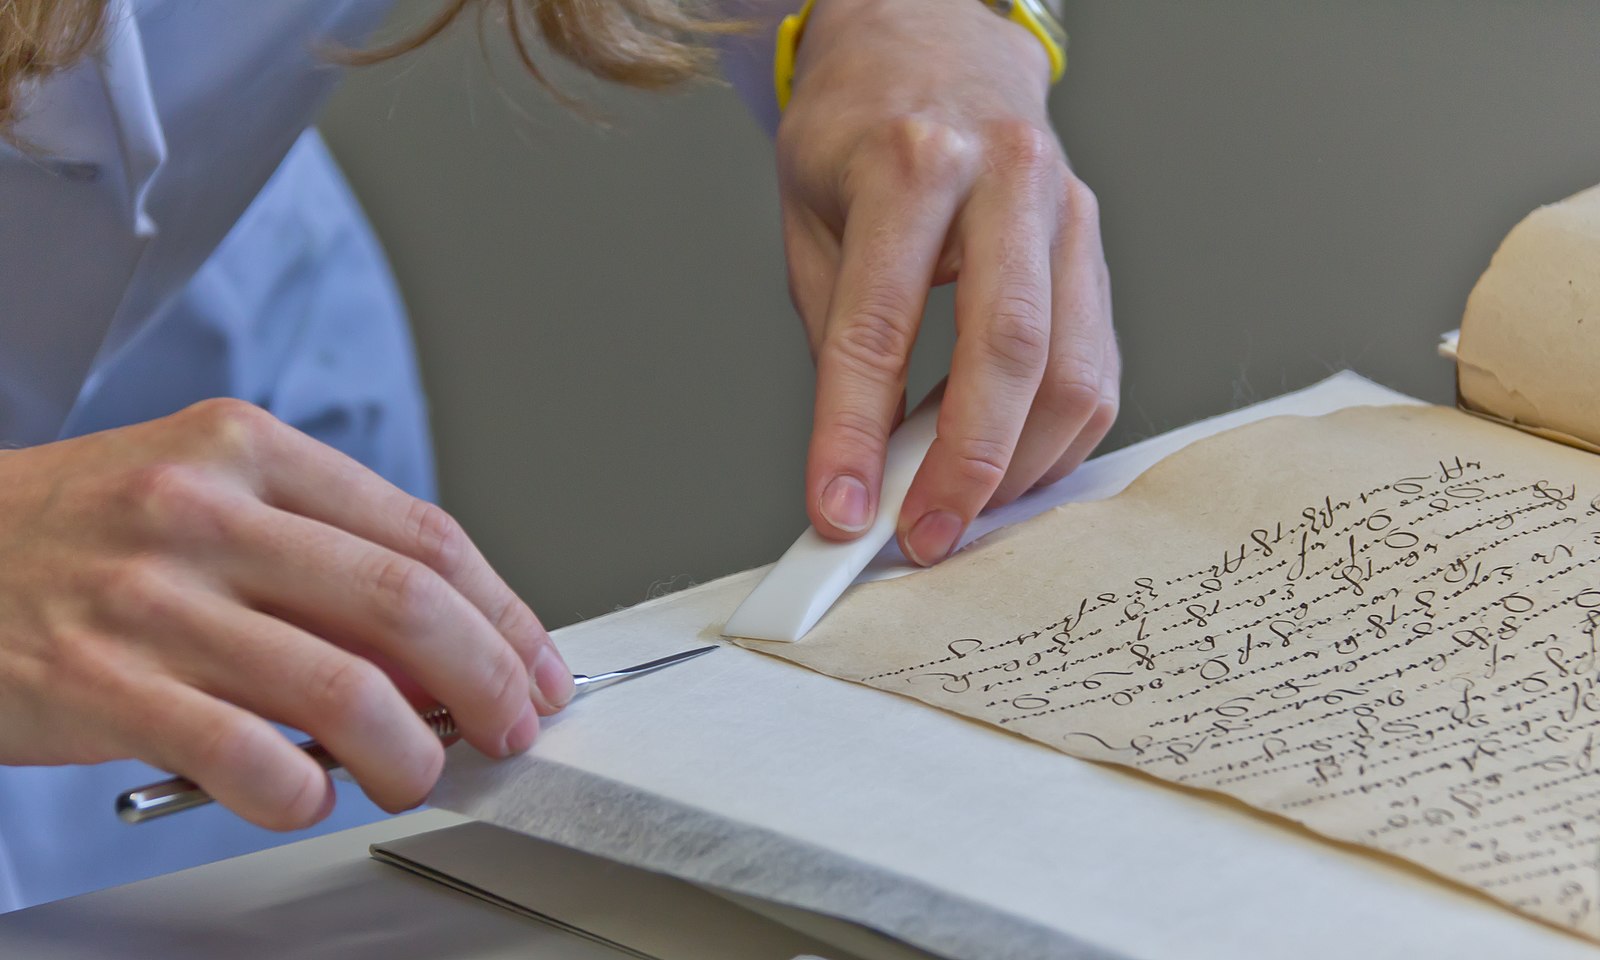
[[748, 773], [814, 572]]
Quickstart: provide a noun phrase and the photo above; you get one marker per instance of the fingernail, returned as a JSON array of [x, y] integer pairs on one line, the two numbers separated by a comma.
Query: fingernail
[[523, 732], [933, 537], [551, 675], [844, 504]]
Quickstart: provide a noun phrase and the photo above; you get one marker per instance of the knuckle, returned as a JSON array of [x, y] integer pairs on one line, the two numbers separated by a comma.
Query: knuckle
[[223, 415], [1024, 147], [1080, 201], [1070, 393], [922, 150], [877, 337], [437, 539], [414, 781], [1105, 414], [854, 434], [981, 463], [507, 681], [305, 804], [517, 622], [1018, 335], [167, 493], [232, 426], [80, 660], [407, 592], [228, 741], [138, 590], [348, 691]]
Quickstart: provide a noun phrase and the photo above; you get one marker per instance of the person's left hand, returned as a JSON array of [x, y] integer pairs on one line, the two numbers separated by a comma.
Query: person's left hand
[[917, 150]]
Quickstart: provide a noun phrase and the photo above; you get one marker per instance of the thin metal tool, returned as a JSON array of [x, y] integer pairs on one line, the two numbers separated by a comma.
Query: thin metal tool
[[157, 800]]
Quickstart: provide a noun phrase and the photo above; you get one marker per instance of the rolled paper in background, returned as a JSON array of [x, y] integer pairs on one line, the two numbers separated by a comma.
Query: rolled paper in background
[[1529, 353]]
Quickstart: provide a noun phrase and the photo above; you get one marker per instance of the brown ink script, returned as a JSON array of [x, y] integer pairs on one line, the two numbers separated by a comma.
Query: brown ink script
[[1381, 623]]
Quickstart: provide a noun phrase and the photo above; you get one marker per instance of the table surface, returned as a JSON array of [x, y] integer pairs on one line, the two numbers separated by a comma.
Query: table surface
[[327, 897], [318, 897]]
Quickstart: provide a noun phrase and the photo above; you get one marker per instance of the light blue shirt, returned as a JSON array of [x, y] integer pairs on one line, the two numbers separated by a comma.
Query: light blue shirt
[[172, 233]]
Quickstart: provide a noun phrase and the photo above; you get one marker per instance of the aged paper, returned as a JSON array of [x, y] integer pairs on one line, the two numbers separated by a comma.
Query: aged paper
[[1530, 338], [1380, 623]]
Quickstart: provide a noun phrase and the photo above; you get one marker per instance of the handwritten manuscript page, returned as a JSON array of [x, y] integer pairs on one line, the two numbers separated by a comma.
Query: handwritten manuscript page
[[1530, 338], [1380, 623]]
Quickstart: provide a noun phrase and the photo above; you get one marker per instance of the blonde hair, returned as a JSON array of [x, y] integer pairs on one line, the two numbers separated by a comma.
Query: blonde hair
[[649, 44], [39, 37]]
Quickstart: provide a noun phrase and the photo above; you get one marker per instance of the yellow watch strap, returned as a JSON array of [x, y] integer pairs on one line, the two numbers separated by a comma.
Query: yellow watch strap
[[1023, 13], [789, 32], [794, 26]]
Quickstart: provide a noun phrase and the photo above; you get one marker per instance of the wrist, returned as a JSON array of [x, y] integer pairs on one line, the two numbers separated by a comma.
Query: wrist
[[1026, 51], [747, 57], [950, 34]]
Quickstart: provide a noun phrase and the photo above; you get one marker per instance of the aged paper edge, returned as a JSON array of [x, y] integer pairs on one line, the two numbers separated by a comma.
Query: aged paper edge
[[1278, 820]]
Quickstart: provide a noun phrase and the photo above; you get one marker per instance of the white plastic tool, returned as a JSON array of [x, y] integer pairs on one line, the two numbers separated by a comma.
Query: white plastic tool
[[814, 572]]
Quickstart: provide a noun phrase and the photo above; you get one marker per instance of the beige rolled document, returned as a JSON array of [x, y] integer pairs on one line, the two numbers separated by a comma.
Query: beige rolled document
[[1529, 353]]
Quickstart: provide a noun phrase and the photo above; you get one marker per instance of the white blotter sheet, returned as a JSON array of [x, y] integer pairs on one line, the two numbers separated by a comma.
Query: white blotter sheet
[[752, 774]]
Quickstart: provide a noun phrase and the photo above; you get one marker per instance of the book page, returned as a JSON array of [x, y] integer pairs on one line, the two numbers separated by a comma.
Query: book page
[[1530, 338], [1380, 623]]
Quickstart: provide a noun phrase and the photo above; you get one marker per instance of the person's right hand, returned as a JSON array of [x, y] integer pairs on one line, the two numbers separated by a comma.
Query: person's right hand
[[167, 588], [917, 151]]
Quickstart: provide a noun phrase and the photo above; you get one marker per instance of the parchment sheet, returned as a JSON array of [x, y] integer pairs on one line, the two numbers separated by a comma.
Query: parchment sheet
[[1377, 623], [740, 769]]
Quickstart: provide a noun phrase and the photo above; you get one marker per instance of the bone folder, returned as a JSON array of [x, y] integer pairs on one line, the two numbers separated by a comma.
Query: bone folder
[[815, 572]]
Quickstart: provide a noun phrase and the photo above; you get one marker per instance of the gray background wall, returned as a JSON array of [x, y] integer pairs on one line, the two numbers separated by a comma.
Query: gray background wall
[[621, 393]]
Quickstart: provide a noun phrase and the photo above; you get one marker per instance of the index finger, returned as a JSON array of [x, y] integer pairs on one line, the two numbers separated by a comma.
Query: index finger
[[892, 242], [303, 476]]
